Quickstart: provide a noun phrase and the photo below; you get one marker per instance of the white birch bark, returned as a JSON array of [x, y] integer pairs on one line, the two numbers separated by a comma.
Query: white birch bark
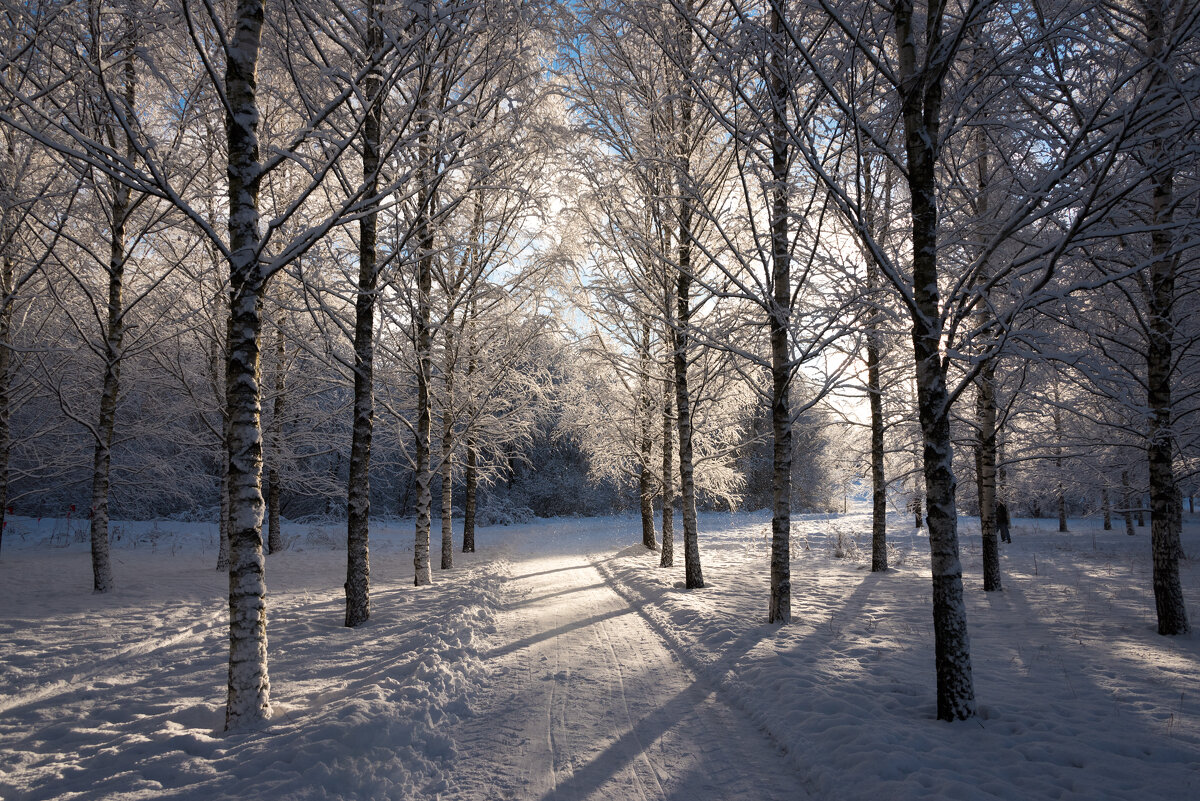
[[358, 501], [920, 91], [114, 333], [249, 687], [1165, 504]]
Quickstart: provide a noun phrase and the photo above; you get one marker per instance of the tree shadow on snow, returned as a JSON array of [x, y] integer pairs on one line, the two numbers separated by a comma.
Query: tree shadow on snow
[[555, 632], [548, 572], [530, 601], [626, 749]]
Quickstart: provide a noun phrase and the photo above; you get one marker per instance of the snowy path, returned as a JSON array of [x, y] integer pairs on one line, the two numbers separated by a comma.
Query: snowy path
[[587, 702], [560, 662]]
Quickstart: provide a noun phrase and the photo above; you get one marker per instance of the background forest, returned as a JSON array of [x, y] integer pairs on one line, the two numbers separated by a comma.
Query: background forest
[[508, 258]]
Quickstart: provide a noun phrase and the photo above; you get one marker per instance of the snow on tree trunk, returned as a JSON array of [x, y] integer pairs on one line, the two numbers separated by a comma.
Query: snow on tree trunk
[[780, 608], [223, 524], [645, 474], [1165, 508], [102, 576], [424, 340], [1061, 500], [693, 576], [1001, 468], [447, 499], [421, 566], [1107, 506], [1128, 502], [471, 470], [985, 393], [955, 684], [248, 697], [274, 491], [986, 422], [668, 458], [646, 496], [921, 97], [218, 357], [917, 504], [114, 332], [358, 488], [448, 454], [879, 560], [7, 290], [471, 482], [6, 278]]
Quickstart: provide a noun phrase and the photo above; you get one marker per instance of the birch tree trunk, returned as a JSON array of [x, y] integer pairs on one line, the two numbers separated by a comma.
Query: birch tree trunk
[[421, 566], [223, 524], [879, 560], [668, 456], [358, 501], [645, 475], [219, 353], [222, 379], [1165, 507], [7, 292], [274, 491], [102, 576], [693, 575], [424, 340], [918, 496], [471, 469], [114, 334], [448, 454], [780, 609], [1061, 500], [1128, 502], [248, 697], [921, 98], [986, 421], [874, 341], [985, 401], [470, 490]]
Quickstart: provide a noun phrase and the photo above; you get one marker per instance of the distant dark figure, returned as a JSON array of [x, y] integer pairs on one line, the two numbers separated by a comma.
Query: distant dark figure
[[1002, 522]]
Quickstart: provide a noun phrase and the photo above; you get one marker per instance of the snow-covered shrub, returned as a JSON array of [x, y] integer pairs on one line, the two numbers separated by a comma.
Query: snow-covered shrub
[[319, 536], [196, 514], [502, 511]]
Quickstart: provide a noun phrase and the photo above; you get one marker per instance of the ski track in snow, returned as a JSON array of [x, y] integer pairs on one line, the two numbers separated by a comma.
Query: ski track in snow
[[588, 703], [560, 663]]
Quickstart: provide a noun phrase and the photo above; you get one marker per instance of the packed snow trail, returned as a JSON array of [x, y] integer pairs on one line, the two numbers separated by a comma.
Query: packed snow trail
[[587, 702]]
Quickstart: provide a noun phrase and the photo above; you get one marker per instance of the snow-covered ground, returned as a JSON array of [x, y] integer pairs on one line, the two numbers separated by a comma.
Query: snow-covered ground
[[560, 662]]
